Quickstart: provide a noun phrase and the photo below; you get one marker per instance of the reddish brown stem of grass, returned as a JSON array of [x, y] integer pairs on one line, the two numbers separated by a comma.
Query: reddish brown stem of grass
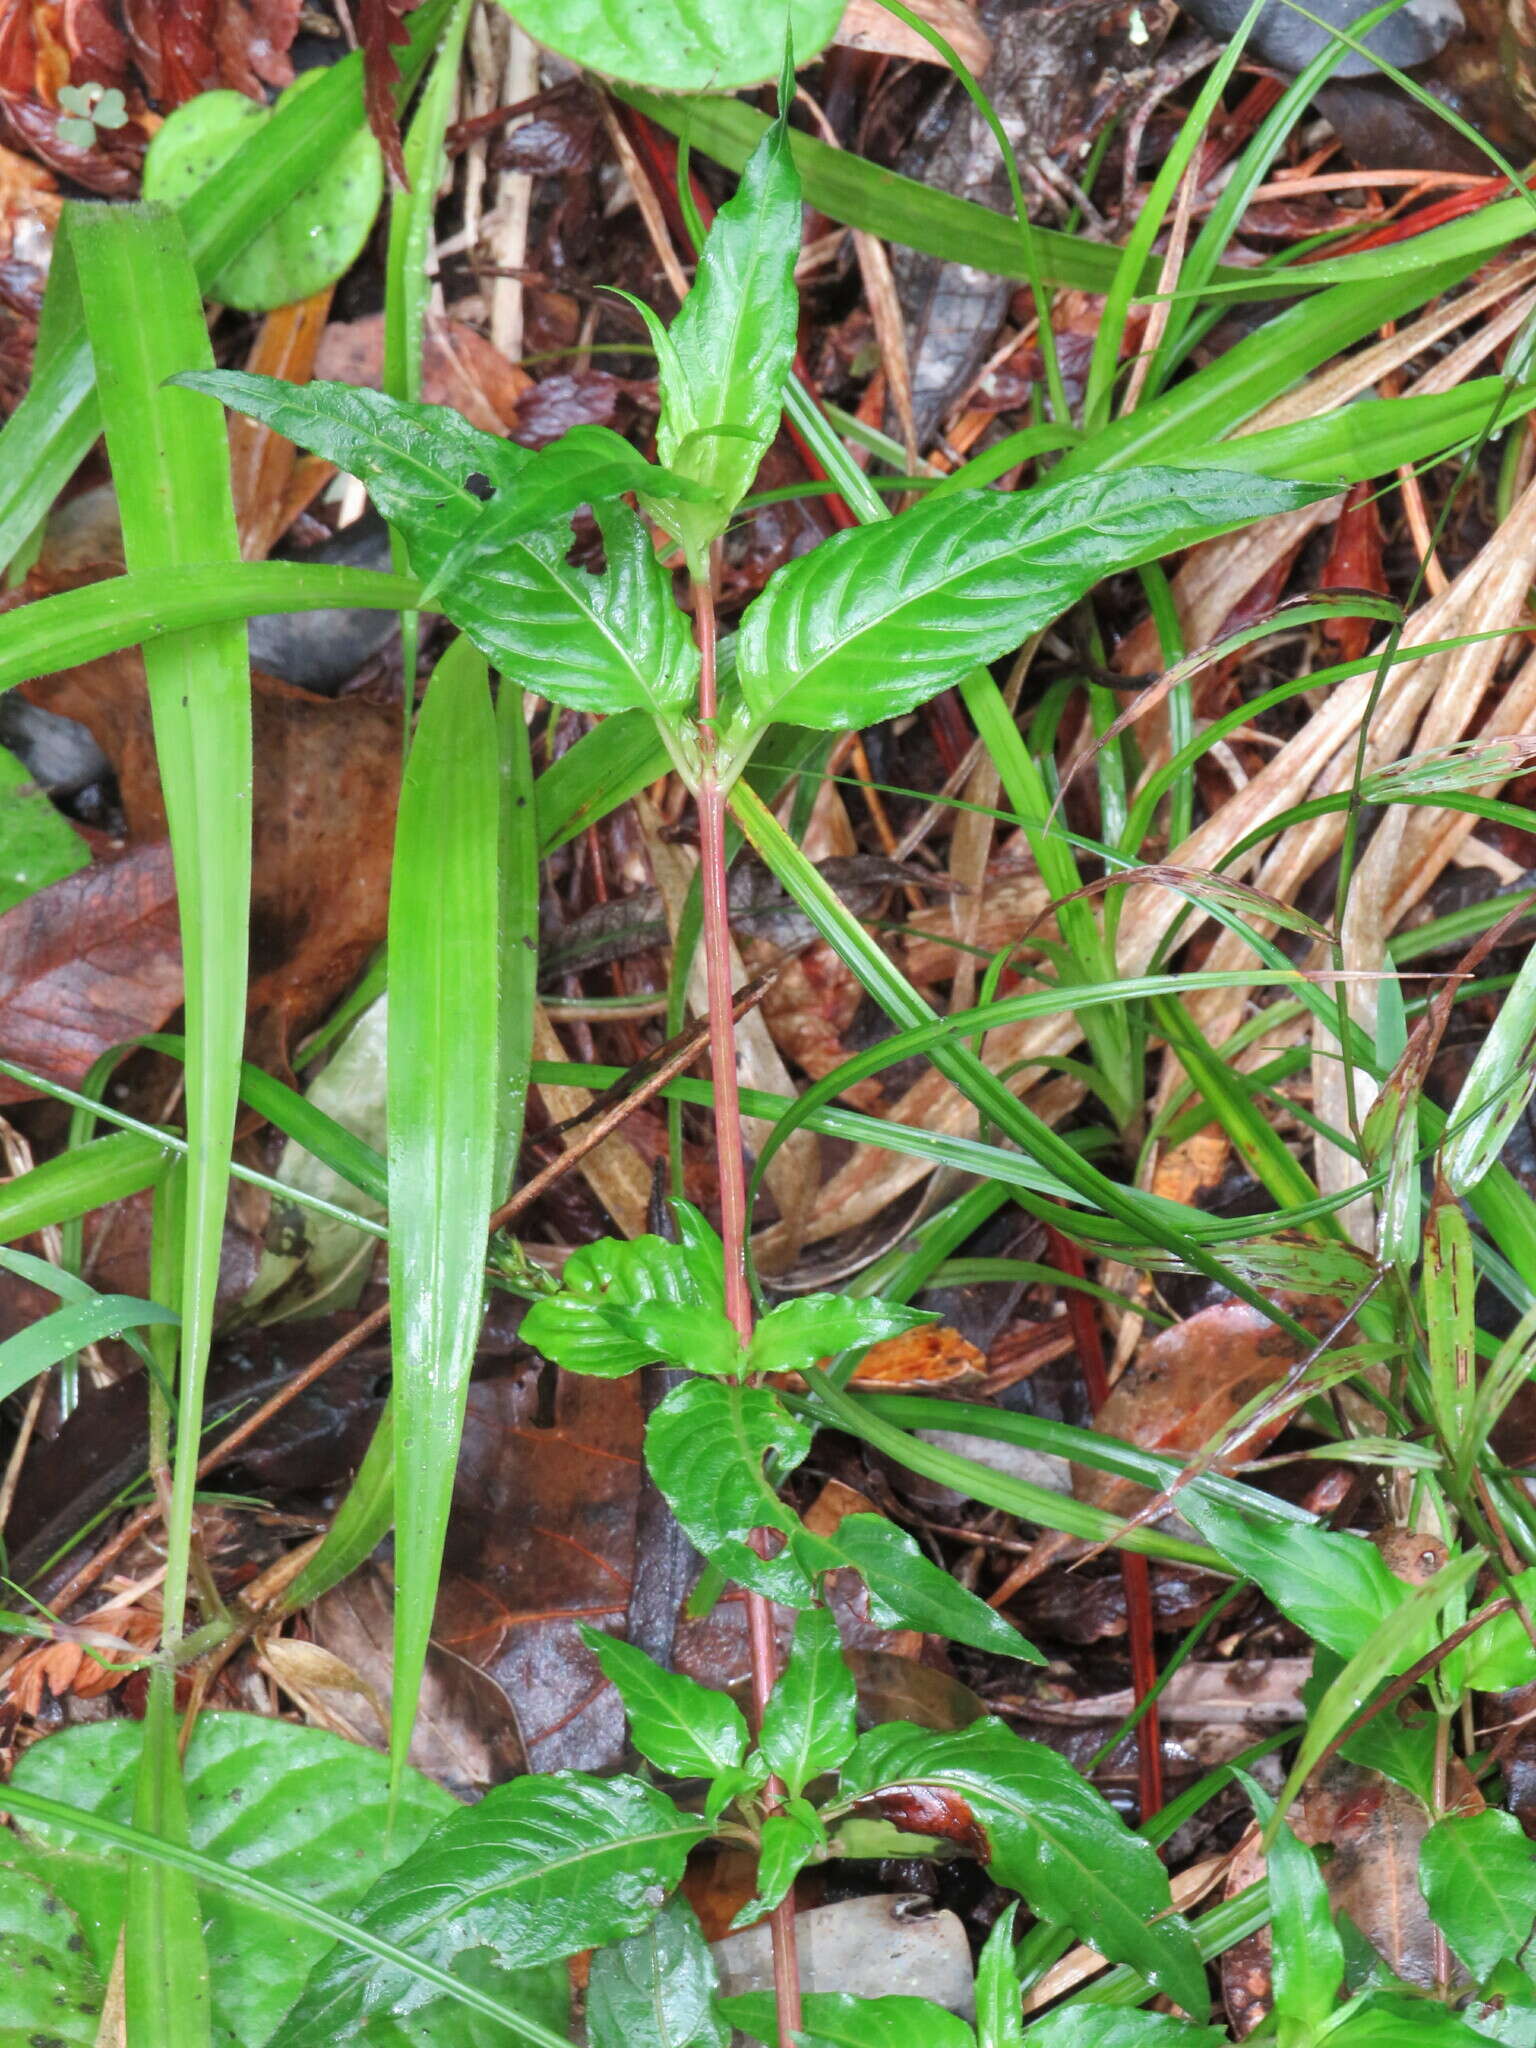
[[716, 933], [1134, 1570]]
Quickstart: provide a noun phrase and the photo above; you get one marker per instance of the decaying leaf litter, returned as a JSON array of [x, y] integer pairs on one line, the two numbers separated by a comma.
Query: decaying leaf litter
[[1186, 869]]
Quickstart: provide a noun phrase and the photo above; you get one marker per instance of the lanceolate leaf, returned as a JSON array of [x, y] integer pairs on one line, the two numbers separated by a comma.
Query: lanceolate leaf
[[444, 1044], [1308, 1954], [1478, 1874], [1336, 1587], [789, 1839], [677, 1724], [999, 2016], [705, 1447], [1097, 2026], [730, 348], [1043, 1832], [808, 1726], [542, 1867], [609, 642], [882, 617], [907, 1590], [657, 1989]]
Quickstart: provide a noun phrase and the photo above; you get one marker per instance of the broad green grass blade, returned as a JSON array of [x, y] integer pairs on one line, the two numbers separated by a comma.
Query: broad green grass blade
[[518, 898], [42, 1344], [73, 1183], [850, 189], [142, 607], [170, 465], [1498, 1086], [444, 1049], [52, 430], [165, 1963]]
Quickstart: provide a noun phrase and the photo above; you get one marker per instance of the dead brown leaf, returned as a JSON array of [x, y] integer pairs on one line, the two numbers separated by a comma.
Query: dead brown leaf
[[326, 783], [86, 963], [1184, 1387]]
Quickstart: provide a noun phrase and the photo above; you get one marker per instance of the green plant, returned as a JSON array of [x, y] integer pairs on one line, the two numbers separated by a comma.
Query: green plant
[[452, 1922]]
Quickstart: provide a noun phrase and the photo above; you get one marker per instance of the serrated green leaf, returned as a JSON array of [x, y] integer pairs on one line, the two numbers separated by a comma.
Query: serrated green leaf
[[878, 619], [808, 1724], [790, 1838], [625, 1302], [657, 1989], [907, 1590], [817, 1326], [1308, 1954], [296, 1806], [1336, 1587], [837, 2019], [1043, 1832], [680, 45], [731, 346], [1478, 1876], [999, 1994], [705, 1447], [49, 1990], [677, 1724], [540, 1868], [608, 642], [309, 242]]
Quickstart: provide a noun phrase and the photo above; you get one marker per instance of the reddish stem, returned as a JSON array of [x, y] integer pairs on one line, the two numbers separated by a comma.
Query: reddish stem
[[1134, 1571], [716, 932]]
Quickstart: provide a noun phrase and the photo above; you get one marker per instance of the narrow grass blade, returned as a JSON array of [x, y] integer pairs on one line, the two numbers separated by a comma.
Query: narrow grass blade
[[142, 607], [42, 1344], [1498, 1086], [73, 1183], [518, 897], [165, 1964], [444, 1046], [407, 264], [1099, 395], [170, 465]]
